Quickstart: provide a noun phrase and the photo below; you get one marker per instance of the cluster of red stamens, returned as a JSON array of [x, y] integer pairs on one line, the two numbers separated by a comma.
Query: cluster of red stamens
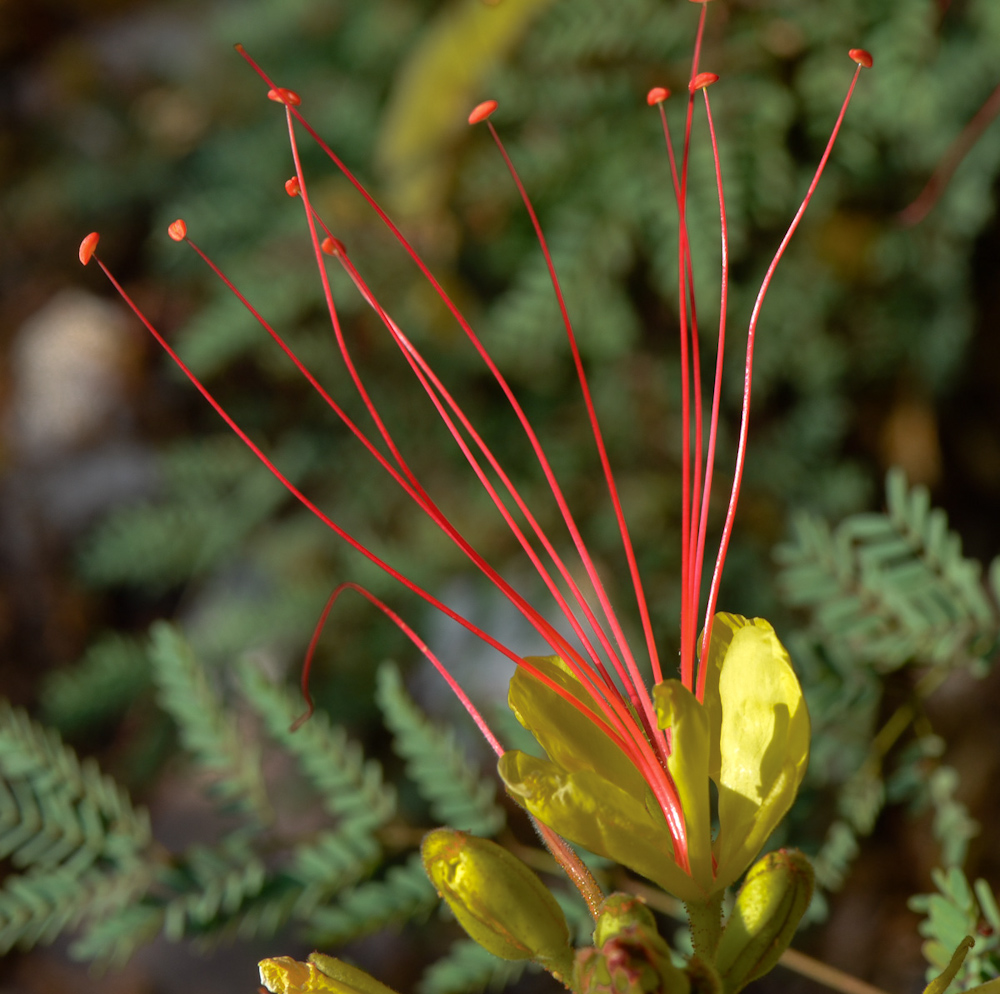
[[600, 656]]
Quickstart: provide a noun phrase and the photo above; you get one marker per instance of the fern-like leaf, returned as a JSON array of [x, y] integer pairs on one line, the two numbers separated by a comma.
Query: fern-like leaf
[[890, 588], [458, 795], [71, 828], [207, 729], [109, 677], [57, 812], [350, 787], [468, 968], [214, 882], [405, 894], [955, 911]]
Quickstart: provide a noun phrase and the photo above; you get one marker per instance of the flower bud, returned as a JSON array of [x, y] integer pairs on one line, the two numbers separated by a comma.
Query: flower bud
[[321, 975], [631, 957], [498, 900], [769, 906]]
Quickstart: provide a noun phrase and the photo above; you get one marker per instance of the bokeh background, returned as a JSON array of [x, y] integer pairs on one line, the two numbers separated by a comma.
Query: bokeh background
[[123, 500]]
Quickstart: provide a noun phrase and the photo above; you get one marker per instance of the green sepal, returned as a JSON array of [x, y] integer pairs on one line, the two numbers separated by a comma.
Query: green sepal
[[321, 975], [597, 814], [566, 733], [768, 909], [498, 900], [759, 746]]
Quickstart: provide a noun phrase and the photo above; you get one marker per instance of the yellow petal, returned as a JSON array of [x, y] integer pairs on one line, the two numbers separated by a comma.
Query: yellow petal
[[568, 736], [679, 710], [599, 815], [760, 737]]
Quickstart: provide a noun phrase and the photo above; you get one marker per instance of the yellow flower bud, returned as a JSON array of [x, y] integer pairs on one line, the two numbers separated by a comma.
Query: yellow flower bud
[[769, 907], [498, 900], [321, 975]]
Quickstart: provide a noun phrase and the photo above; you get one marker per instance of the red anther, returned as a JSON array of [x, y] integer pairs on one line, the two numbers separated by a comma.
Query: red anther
[[88, 246], [703, 79], [177, 230], [292, 187], [333, 246], [282, 96], [482, 111], [657, 95], [861, 56]]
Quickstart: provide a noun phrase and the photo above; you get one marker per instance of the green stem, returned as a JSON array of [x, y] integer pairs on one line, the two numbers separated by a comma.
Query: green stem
[[706, 925]]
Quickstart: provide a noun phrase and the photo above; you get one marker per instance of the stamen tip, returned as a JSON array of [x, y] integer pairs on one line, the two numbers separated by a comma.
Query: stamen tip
[[862, 57], [703, 79], [177, 230], [292, 187], [333, 246], [657, 95], [88, 246], [281, 95], [239, 48], [482, 111]]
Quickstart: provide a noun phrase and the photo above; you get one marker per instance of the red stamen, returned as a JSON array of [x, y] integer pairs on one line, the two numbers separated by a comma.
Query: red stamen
[[546, 630], [177, 230], [727, 530], [699, 556], [88, 246], [411, 486], [862, 57], [281, 95], [690, 370], [470, 334], [702, 80], [294, 491], [636, 684], [481, 112], [292, 186], [333, 246], [657, 95], [414, 638], [666, 803]]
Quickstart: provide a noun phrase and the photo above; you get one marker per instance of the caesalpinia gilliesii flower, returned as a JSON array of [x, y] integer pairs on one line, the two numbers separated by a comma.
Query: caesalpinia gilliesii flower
[[629, 766]]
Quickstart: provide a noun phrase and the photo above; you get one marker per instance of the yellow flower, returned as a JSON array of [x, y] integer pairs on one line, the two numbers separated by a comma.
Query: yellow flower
[[750, 737]]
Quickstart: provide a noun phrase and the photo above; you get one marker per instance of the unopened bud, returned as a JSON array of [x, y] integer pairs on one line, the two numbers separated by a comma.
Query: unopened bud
[[498, 900], [321, 975], [631, 957], [769, 907]]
